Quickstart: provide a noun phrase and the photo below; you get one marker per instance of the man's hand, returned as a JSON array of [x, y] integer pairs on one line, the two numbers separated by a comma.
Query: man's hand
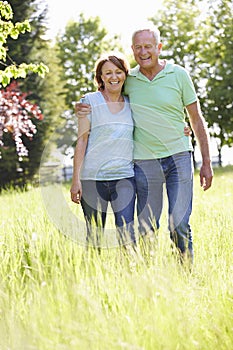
[[187, 131], [206, 176], [82, 109]]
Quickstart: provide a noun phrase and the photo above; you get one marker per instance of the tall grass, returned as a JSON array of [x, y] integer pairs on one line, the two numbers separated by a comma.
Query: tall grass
[[54, 296]]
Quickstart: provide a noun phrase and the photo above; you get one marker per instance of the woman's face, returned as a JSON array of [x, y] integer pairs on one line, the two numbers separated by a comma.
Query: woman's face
[[113, 77]]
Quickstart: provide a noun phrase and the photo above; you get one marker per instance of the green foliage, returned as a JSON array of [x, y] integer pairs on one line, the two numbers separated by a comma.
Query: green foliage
[[8, 28], [79, 48], [180, 34], [21, 71], [179, 31], [217, 53], [27, 49], [5, 10], [199, 36], [55, 296], [35, 11]]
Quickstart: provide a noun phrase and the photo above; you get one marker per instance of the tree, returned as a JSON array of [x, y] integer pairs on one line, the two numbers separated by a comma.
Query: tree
[[18, 51], [79, 48], [217, 53], [9, 29], [202, 43], [179, 32], [180, 37], [36, 13], [16, 114]]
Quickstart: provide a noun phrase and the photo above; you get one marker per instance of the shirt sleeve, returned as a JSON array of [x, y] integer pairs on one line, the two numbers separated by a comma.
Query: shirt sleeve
[[188, 90]]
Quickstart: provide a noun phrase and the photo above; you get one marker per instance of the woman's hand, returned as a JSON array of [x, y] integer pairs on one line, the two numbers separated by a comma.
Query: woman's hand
[[76, 192]]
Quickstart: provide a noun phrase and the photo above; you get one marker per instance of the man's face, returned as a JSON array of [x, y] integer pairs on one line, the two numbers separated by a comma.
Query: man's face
[[146, 50]]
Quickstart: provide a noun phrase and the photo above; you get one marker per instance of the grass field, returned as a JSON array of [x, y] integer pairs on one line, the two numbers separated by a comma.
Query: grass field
[[55, 297]]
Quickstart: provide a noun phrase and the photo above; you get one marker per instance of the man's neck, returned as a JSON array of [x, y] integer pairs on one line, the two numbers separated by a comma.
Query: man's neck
[[152, 72]]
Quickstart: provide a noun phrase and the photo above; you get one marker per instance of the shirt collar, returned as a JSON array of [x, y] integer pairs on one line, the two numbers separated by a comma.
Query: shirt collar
[[135, 72]]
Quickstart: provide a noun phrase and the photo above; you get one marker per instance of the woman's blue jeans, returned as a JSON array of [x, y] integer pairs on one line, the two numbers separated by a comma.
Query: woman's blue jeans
[[176, 172], [121, 195]]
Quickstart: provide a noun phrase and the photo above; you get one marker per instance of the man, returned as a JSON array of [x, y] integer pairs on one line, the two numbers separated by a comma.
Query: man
[[159, 94]]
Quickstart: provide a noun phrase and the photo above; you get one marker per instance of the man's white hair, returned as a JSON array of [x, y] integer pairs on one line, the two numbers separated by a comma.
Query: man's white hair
[[150, 28]]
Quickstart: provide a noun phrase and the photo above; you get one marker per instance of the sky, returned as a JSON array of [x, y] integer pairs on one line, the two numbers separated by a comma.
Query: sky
[[121, 17]]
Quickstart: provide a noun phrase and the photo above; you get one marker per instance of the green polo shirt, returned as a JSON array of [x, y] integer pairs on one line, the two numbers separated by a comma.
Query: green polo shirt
[[158, 111]]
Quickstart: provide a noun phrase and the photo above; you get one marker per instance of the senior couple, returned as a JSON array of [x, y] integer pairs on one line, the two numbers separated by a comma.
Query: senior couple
[[132, 140]]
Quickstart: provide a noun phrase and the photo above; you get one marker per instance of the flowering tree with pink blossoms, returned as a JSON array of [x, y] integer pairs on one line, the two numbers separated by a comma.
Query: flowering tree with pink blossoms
[[16, 114]]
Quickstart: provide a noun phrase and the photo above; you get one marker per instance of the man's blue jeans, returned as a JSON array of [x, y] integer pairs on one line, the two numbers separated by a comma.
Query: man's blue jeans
[[121, 194], [177, 173]]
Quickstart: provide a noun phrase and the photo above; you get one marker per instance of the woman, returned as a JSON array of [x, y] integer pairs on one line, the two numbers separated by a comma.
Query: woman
[[103, 161]]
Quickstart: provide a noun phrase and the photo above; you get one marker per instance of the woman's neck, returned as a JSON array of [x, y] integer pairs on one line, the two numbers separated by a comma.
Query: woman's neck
[[112, 97]]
